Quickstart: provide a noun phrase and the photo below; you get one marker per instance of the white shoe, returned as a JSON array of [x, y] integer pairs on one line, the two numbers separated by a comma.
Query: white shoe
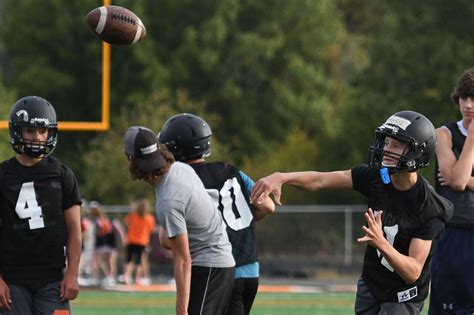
[[83, 282], [125, 280], [93, 281], [144, 281], [109, 281]]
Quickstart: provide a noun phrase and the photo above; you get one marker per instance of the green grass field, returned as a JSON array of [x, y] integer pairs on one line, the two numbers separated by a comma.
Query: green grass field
[[119, 303]]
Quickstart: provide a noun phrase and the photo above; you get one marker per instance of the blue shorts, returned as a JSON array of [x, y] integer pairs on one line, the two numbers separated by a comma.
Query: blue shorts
[[452, 276]]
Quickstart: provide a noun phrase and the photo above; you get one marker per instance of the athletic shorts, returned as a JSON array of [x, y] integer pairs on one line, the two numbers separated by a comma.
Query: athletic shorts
[[452, 276], [135, 252], [44, 300], [211, 290], [243, 295], [366, 304]]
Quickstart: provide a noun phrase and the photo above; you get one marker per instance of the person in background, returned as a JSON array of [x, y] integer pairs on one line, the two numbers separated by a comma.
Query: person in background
[[40, 217], [405, 216], [86, 264], [188, 137], [202, 253], [105, 253], [140, 225], [452, 280], [143, 270]]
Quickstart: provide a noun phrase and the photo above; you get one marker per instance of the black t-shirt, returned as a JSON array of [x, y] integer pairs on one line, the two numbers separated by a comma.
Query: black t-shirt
[[416, 213], [227, 188], [33, 231]]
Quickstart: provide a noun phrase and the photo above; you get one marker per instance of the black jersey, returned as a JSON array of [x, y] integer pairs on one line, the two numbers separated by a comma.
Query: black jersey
[[33, 231], [463, 200], [416, 213], [228, 190]]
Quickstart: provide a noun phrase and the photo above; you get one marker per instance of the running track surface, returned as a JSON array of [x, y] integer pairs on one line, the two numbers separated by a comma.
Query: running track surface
[[261, 288]]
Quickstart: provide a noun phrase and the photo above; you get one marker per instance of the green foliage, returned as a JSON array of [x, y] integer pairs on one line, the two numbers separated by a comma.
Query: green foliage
[[7, 98], [254, 62], [49, 55]]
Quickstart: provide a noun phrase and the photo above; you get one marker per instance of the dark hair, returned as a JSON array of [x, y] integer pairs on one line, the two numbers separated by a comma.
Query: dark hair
[[464, 87], [148, 176]]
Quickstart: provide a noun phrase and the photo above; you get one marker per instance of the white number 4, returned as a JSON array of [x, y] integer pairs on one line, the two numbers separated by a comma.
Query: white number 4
[[27, 206]]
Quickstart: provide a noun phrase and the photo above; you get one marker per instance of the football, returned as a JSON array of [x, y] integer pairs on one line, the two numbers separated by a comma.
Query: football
[[116, 25]]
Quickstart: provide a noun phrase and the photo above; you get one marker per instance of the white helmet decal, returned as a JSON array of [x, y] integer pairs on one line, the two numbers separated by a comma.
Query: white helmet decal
[[24, 113]]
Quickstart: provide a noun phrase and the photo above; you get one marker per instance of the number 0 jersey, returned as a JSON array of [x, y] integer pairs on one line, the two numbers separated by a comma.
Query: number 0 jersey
[[416, 213], [231, 193], [33, 229]]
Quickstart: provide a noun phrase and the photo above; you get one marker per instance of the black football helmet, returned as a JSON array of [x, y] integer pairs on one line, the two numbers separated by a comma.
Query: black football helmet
[[408, 127], [33, 112], [187, 136]]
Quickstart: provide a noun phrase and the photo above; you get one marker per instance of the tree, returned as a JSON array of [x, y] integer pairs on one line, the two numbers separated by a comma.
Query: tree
[[415, 55], [253, 62]]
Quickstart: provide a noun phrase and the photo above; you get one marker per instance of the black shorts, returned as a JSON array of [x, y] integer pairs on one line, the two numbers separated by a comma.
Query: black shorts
[[243, 295], [211, 289], [135, 252], [366, 304]]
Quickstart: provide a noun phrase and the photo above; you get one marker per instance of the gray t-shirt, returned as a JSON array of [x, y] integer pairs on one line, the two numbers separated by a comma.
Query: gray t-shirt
[[184, 207]]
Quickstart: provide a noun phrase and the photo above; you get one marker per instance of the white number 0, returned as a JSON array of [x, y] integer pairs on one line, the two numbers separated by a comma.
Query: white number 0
[[236, 211], [27, 206]]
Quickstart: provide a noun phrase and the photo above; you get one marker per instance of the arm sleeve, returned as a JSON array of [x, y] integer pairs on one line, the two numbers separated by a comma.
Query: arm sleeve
[[361, 175], [248, 182], [430, 230], [171, 217], [71, 195]]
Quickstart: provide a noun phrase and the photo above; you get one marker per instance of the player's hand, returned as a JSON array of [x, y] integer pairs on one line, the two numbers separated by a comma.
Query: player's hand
[[69, 287], [441, 179], [5, 298], [266, 186], [373, 230]]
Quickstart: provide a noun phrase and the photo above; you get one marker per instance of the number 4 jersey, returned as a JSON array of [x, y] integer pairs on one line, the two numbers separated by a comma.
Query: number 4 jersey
[[415, 213], [230, 190], [32, 225]]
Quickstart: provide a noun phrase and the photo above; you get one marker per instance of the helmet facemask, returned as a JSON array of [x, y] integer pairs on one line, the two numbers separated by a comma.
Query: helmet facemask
[[30, 147], [406, 160]]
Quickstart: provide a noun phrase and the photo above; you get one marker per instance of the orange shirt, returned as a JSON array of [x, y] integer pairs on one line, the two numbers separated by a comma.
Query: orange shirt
[[139, 228]]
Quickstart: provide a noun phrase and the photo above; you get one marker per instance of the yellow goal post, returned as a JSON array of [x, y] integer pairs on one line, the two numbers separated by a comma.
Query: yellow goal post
[[104, 123]]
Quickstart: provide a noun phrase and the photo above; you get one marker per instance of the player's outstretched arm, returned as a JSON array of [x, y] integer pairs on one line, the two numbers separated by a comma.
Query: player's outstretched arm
[[408, 267], [309, 180], [70, 285]]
